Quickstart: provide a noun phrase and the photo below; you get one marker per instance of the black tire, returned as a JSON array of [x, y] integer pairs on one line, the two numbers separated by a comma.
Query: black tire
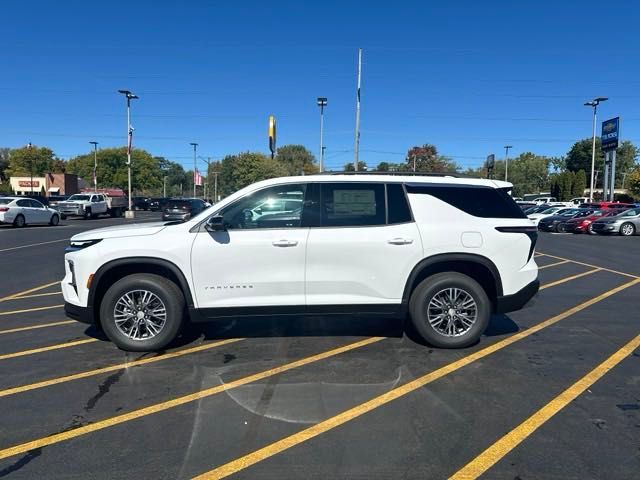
[[87, 214], [627, 229], [590, 229], [167, 291], [55, 219], [19, 221], [561, 228], [63, 216], [432, 286]]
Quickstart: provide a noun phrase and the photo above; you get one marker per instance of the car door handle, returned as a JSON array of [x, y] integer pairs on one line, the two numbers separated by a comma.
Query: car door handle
[[400, 241], [284, 243]]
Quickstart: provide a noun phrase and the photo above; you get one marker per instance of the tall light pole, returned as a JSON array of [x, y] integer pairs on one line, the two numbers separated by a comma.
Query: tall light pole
[[130, 96], [95, 165], [29, 147], [195, 146], [594, 103], [506, 161], [356, 149], [322, 102]]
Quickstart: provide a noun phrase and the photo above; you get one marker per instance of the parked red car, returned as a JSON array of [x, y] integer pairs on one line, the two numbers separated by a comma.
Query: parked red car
[[583, 224], [606, 205]]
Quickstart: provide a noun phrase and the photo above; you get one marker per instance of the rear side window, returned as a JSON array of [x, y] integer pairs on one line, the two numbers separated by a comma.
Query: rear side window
[[23, 203], [484, 202], [397, 205], [352, 204]]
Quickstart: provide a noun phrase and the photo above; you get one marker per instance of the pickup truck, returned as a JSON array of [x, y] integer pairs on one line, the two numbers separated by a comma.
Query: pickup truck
[[91, 205]]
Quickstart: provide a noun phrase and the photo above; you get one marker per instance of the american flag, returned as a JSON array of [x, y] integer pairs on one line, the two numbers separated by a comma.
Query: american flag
[[197, 178]]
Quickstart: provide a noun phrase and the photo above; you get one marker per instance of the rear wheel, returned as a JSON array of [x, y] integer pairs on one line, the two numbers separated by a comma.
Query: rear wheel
[[561, 228], [19, 221], [450, 310], [627, 229], [142, 312], [54, 220], [63, 216]]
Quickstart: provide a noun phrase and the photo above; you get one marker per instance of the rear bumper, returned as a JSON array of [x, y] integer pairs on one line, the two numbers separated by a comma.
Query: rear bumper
[[511, 303], [76, 312]]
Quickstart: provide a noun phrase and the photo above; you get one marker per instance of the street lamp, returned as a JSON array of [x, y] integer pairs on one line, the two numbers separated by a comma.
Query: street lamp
[[29, 147], [195, 146], [322, 102], [594, 103], [130, 96], [506, 161], [95, 166]]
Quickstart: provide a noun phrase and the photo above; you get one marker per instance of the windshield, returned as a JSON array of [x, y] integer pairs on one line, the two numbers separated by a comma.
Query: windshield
[[550, 210], [80, 197]]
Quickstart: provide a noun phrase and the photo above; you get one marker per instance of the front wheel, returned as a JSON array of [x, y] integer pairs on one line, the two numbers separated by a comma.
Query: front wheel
[[627, 229], [63, 216], [54, 220], [142, 312], [87, 214], [590, 229], [450, 310]]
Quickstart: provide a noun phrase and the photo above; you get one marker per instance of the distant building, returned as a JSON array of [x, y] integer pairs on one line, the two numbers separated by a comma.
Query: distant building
[[51, 184]]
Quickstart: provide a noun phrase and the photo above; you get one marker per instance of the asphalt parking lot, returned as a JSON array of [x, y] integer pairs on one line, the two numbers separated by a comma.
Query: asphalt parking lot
[[552, 391]]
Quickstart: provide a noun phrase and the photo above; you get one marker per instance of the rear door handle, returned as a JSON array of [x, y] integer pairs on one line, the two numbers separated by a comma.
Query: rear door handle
[[284, 243], [400, 241]]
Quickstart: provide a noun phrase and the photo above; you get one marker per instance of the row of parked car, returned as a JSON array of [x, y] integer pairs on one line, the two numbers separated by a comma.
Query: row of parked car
[[592, 218]]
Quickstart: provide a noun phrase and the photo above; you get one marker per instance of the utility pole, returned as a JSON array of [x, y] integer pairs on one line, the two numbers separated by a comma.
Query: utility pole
[[95, 166], [130, 96], [593, 103], [164, 186], [195, 168], [414, 163], [357, 141], [30, 147], [322, 102], [506, 161]]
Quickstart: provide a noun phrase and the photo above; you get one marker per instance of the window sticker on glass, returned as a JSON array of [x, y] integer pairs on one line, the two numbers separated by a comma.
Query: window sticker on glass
[[354, 202]]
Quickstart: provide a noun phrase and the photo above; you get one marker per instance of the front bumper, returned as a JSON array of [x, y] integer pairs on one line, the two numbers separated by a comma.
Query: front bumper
[[605, 227], [511, 303], [81, 314]]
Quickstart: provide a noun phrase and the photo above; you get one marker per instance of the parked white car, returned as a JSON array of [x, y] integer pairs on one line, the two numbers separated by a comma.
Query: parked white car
[[21, 211], [444, 251], [542, 200], [557, 210]]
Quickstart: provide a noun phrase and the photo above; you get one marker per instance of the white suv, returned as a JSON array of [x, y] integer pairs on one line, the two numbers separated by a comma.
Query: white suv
[[444, 251]]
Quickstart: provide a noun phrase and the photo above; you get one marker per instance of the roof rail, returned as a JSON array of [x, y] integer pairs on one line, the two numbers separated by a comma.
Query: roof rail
[[409, 174]]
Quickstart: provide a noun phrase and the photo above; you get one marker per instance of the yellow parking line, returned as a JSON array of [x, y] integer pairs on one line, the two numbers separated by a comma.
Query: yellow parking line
[[47, 349], [34, 327], [592, 266], [515, 437], [307, 434], [31, 290], [111, 368], [34, 295], [13, 312], [553, 264], [159, 407], [568, 279]]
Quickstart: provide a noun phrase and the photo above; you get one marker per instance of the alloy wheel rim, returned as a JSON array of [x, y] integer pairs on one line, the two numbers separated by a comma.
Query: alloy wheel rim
[[627, 229], [452, 312], [139, 314]]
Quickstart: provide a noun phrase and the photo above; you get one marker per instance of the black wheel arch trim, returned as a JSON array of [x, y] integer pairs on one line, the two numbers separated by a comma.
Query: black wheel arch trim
[[452, 257], [182, 280]]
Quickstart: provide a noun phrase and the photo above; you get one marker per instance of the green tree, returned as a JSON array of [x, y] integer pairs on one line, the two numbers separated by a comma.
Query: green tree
[[579, 184], [383, 167], [632, 182], [427, 159], [579, 158], [528, 172], [297, 160], [362, 167], [238, 171], [4, 163], [146, 174], [40, 160]]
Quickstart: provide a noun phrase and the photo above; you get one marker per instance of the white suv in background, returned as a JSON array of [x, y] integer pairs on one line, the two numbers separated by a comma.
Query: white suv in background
[[445, 252]]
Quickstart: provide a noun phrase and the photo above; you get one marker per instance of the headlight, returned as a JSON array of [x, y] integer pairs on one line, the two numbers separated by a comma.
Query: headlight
[[76, 245]]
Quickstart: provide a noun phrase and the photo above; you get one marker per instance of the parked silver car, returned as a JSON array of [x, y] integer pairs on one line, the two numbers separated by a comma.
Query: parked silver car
[[626, 223]]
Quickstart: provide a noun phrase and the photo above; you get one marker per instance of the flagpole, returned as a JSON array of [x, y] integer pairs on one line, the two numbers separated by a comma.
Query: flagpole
[[356, 159], [195, 169]]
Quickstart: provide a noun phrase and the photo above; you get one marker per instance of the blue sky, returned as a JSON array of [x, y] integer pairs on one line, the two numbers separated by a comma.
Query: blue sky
[[467, 76]]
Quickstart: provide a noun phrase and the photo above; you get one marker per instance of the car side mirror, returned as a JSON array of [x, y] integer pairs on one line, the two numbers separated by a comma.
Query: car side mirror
[[215, 224]]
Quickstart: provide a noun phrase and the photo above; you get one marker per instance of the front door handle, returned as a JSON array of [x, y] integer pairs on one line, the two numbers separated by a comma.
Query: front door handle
[[400, 241], [284, 243]]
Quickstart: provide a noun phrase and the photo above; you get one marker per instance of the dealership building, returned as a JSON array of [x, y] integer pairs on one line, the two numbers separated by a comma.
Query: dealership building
[[50, 184]]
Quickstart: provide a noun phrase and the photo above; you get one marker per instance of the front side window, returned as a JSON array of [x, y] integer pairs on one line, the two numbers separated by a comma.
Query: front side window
[[274, 207], [630, 213], [352, 204], [35, 204]]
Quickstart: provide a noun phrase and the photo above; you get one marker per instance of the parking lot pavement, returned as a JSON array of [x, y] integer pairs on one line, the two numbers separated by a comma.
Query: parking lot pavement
[[551, 391]]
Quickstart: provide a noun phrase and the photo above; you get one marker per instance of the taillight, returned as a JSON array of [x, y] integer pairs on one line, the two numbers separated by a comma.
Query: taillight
[[4, 209]]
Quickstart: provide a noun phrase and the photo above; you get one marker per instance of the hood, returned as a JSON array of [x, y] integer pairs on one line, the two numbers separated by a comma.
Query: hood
[[119, 231]]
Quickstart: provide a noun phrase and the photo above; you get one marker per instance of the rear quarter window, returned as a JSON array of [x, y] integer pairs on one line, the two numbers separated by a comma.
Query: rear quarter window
[[479, 201]]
